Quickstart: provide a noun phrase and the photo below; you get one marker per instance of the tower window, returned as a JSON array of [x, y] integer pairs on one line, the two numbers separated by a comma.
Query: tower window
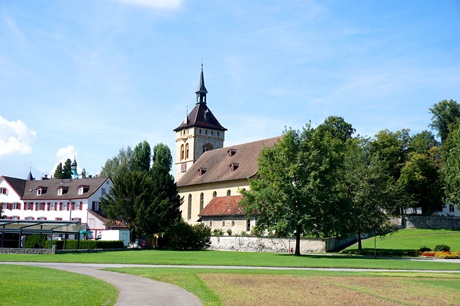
[[217, 133], [182, 152], [229, 193], [207, 147], [214, 194], [186, 151]]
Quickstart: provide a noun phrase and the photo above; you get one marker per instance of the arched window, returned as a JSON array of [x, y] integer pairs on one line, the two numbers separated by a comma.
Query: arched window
[[201, 201], [189, 212], [186, 151], [182, 152], [229, 193], [207, 147], [214, 194]]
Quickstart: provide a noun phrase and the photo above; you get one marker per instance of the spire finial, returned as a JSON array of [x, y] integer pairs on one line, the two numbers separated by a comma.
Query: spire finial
[[201, 92]]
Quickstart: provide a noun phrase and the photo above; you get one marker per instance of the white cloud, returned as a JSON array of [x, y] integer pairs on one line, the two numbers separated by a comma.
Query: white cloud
[[161, 4], [15, 137]]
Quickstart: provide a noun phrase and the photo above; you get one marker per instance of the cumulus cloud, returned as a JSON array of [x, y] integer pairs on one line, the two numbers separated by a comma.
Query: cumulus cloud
[[15, 137], [160, 4]]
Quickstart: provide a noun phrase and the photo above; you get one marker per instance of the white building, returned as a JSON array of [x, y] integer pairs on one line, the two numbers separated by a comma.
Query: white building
[[55, 199]]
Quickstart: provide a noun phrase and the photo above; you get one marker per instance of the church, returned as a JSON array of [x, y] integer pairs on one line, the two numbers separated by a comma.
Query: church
[[210, 176]]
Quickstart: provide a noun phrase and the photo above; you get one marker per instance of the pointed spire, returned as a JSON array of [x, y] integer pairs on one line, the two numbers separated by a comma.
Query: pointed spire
[[201, 92]]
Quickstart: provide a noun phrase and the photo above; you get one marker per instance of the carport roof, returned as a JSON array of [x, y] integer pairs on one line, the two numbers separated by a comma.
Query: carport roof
[[39, 226]]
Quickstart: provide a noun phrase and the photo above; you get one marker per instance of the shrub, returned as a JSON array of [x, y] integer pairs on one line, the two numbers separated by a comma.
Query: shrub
[[442, 247], [229, 231], [183, 236], [33, 241], [218, 232], [424, 249]]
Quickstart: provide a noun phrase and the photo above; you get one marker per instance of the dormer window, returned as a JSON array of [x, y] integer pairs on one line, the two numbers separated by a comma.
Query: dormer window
[[202, 171], [83, 189], [234, 166], [231, 152], [62, 190], [41, 190]]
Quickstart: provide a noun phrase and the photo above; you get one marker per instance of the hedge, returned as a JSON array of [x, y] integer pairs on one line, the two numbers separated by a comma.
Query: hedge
[[31, 241]]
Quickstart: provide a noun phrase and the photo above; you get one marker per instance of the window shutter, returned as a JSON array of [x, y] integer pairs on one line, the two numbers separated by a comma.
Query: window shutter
[[81, 205]]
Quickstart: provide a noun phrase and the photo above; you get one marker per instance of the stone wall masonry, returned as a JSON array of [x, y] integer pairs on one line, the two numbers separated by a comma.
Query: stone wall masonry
[[275, 245], [27, 251], [431, 222]]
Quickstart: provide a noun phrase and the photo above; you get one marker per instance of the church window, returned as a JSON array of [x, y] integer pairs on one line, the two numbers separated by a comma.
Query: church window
[[214, 194], [229, 193], [248, 225], [223, 223], [201, 201], [186, 151], [206, 132], [200, 131], [212, 132], [207, 147], [182, 152], [189, 212]]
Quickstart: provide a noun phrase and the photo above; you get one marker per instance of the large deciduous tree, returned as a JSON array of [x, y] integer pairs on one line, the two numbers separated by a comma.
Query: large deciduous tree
[[444, 114], [118, 164], [451, 169], [370, 189], [297, 188]]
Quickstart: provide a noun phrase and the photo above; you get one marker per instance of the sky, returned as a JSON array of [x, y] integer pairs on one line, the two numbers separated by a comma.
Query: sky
[[86, 78]]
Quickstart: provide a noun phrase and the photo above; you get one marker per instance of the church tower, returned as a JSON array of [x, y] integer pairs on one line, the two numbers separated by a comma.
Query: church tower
[[198, 133]]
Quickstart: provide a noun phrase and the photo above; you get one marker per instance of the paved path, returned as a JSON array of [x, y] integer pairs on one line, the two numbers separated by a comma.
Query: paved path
[[133, 290]]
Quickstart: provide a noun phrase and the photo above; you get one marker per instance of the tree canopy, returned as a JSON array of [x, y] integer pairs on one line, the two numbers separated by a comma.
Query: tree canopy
[[63, 172], [444, 114]]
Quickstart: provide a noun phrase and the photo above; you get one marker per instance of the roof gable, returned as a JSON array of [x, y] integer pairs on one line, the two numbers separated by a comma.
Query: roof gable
[[201, 116]]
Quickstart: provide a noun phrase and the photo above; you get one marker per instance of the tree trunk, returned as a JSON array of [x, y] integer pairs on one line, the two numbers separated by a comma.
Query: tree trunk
[[360, 246], [297, 241]]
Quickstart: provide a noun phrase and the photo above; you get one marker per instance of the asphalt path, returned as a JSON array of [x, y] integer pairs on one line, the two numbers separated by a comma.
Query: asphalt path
[[135, 290]]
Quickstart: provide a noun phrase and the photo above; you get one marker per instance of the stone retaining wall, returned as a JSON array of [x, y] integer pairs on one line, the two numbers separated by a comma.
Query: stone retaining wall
[[27, 251], [276, 245], [431, 222]]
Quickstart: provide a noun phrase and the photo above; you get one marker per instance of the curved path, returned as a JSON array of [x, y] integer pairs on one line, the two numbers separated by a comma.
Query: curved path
[[133, 290]]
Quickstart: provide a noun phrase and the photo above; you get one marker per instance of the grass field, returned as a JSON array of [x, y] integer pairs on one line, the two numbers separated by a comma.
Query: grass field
[[22, 285], [264, 287], [273, 287], [415, 239]]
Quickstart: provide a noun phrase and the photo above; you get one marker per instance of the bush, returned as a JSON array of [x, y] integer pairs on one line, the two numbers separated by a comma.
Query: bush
[[442, 247], [424, 249], [33, 241], [183, 236], [229, 231], [218, 232]]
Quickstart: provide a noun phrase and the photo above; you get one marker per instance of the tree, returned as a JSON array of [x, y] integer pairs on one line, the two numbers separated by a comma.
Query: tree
[[370, 190], [118, 164], [445, 113], [63, 172], [163, 209], [141, 157], [296, 189], [420, 179], [451, 170], [146, 201], [422, 142]]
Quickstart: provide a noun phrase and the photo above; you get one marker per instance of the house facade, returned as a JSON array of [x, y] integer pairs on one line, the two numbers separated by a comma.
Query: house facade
[[55, 199]]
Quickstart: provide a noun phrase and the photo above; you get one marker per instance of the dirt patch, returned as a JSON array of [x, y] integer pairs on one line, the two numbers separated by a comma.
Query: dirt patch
[[243, 289]]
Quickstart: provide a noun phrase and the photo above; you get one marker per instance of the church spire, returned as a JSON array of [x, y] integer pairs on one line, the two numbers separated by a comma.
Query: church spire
[[201, 92]]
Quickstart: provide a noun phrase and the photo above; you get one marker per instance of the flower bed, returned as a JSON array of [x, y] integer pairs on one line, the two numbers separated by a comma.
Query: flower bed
[[442, 254]]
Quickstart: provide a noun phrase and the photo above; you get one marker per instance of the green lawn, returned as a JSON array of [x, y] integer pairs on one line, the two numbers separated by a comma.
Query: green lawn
[[412, 239], [22, 285]]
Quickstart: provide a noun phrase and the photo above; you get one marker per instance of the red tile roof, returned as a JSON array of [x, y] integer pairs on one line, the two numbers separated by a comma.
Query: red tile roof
[[223, 206]]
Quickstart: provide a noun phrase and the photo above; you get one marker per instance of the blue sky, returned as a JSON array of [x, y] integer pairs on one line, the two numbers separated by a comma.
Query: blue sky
[[87, 78]]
